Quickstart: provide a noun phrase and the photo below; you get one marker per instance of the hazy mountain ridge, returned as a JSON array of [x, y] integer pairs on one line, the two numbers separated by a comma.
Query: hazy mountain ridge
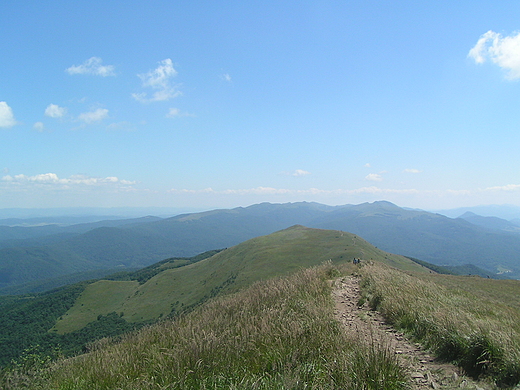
[[507, 212], [492, 223], [137, 243]]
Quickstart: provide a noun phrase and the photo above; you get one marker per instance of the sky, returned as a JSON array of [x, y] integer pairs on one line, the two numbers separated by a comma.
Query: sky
[[218, 104]]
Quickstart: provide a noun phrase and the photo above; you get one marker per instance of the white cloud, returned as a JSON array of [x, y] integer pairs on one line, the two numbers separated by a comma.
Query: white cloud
[[412, 170], [6, 115], [374, 177], [300, 172], [173, 112], [295, 173], [53, 179], [226, 77], [55, 111], [39, 126], [160, 76], [367, 165], [503, 51], [508, 187], [176, 113], [93, 116], [92, 66], [158, 79]]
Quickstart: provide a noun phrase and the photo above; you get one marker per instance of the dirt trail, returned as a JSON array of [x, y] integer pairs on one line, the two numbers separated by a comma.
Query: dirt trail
[[425, 372]]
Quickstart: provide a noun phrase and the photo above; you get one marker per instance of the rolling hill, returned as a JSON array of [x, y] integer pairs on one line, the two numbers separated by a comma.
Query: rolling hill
[[177, 288], [74, 315], [461, 319]]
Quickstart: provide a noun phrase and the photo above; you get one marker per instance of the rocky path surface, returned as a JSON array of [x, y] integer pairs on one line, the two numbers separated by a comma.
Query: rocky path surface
[[425, 371]]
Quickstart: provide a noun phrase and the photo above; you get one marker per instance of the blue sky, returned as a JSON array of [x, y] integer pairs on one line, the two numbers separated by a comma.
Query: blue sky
[[208, 104]]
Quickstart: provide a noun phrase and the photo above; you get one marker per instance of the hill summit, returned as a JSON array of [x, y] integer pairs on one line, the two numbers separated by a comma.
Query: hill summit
[[176, 289]]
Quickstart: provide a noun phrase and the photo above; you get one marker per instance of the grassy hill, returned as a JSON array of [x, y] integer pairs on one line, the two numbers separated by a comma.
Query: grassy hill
[[25, 320], [278, 334], [176, 289], [94, 309], [281, 333]]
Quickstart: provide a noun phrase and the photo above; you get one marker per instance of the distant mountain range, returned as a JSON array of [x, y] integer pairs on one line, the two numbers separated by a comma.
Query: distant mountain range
[[493, 223], [40, 253], [507, 212]]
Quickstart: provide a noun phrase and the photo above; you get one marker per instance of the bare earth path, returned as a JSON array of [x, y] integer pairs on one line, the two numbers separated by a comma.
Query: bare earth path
[[425, 372]]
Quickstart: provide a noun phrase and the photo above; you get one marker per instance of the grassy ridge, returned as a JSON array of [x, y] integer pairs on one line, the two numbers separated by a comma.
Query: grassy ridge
[[176, 290], [281, 333], [471, 321], [276, 334]]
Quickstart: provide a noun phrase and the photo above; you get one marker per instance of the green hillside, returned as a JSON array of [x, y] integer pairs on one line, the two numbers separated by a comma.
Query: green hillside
[[471, 321], [25, 320], [281, 333], [276, 334], [265, 332], [178, 289], [80, 313]]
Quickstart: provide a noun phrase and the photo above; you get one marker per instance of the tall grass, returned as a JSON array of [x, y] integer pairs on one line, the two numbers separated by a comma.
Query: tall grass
[[278, 334], [462, 325]]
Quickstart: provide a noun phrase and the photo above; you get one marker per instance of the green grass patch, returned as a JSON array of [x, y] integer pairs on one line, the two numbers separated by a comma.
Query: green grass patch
[[99, 298]]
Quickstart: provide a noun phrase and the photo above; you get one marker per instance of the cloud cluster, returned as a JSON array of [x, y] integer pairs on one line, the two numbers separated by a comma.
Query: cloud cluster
[[93, 116], [503, 51], [300, 172], [160, 80], [55, 111], [508, 187], [92, 66], [374, 177], [6, 116]]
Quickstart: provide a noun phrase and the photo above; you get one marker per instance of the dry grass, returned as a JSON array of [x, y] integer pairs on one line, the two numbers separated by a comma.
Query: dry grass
[[460, 320]]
